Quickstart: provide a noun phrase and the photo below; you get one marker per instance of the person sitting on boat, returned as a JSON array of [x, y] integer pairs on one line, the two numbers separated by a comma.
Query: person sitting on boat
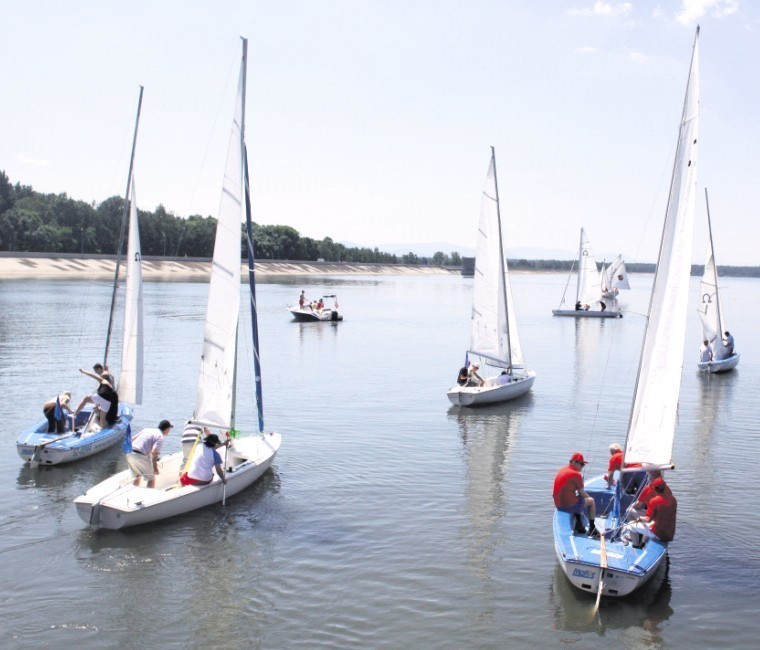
[[578, 306], [660, 519], [302, 299], [602, 305], [146, 450], [728, 342], [505, 377], [205, 460], [639, 508], [54, 412], [570, 495], [105, 398], [463, 375], [586, 307], [473, 378], [190, 434], [705, 352], [320, 304]]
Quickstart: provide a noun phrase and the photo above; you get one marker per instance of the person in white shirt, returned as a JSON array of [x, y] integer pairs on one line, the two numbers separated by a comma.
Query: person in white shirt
[[205, 460], [705, 353], [146, 450]]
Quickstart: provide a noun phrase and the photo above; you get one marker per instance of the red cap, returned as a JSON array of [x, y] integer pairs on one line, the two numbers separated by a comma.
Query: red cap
[[578, 457], [657, 482]]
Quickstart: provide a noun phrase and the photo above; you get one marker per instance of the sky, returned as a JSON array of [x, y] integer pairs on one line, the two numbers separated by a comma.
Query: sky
[[371, 121]]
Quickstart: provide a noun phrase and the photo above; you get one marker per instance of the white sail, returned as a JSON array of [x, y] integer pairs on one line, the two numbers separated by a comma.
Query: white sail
[[710, 312], [616, 276], [653, 417], [589, 287], [216, 382], [491, 327], [130, 380]]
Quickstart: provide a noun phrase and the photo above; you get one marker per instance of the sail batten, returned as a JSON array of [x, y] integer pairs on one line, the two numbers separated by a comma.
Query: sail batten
[[651, 429]]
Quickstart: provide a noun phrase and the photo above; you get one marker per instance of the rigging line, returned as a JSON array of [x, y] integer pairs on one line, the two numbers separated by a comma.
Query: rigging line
[[567, 284], [611, 346]]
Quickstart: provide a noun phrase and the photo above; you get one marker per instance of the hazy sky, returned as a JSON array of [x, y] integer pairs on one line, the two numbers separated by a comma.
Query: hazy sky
[[371, 121]]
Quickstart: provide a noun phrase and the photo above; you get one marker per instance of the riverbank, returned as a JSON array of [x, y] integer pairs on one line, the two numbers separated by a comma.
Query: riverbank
[[39, 266]]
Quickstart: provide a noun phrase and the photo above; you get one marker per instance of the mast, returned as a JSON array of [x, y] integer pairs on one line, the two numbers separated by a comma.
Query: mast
[[715, 269], [501, 258], [124, 218], [580, 269]]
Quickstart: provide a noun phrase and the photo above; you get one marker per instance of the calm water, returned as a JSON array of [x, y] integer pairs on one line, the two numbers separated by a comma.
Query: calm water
[[390, 519]]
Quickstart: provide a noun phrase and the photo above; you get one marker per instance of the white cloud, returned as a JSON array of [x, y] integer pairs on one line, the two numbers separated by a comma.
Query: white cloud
[[601, 8], [33, 162], [693, 10]]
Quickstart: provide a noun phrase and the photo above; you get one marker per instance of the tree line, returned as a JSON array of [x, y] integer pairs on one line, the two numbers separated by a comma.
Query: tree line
[[55, 223]]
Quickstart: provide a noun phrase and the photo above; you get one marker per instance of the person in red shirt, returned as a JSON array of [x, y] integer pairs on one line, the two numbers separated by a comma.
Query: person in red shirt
[[639, 509], [569, 494], [616, 463], [661, 515]]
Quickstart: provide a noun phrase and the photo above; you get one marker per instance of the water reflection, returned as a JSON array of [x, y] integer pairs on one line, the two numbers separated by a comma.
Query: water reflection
[[642, 613], [712, 412]]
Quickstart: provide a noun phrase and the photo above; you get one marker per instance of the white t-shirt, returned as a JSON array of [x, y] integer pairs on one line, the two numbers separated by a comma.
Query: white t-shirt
[[148, 440], [202, 464]]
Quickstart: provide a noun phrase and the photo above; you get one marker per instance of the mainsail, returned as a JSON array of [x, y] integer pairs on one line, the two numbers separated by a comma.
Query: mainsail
[[130, 379], [710, 310], [216, 382], [615, 276], [493, 328], [589, 287], [653, 417]]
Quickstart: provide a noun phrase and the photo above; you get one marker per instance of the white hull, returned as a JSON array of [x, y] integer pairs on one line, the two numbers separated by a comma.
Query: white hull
[[306, 315], [492, 392], [583, 313], [724, 365], [116, 503]]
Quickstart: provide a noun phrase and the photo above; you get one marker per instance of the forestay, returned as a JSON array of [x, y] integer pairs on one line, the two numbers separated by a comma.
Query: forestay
[[653, 417], [493, 328], [216, 382]]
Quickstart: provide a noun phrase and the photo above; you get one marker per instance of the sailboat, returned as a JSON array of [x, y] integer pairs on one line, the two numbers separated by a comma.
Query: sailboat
[[588, 295], [608, 565], [82, 437], [711, 313], [116, 503], [493, 327], [614, 278]]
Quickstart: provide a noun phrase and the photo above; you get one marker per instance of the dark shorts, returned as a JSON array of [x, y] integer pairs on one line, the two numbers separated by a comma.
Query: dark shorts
[[576, 509]]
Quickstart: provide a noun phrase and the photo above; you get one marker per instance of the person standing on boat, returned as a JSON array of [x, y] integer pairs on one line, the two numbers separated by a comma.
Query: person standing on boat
[[205, 460], [728, 342], [54, 412], [705, 352], [570, 495], [302, 299], [616, 463], [660, 519], [146, 450], [105, 398], [473, 378]]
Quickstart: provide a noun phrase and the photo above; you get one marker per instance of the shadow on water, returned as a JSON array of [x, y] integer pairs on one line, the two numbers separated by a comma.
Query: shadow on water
[[643, 612]]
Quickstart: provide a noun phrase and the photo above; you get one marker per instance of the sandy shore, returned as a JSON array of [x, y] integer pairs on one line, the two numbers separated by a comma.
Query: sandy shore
[[30, 266]]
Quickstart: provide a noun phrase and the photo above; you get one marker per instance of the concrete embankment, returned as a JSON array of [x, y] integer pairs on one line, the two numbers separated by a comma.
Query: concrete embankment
[[44, 266]]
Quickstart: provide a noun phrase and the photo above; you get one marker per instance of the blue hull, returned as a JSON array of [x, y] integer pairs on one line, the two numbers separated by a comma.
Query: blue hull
[[628, 568], [71, 447]]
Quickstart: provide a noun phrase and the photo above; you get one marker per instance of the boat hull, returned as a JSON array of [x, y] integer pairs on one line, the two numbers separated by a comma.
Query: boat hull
[[116, 503], [309, 316], [582, 313], [722, 365], [491, 393], [71, 447], [628, 568]]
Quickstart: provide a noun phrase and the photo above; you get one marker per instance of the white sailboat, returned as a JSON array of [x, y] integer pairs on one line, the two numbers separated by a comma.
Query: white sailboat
[[116, 503], [493, 327], [711, 314], [82, 437], [588, 295], [614, 278], [609, 565]]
